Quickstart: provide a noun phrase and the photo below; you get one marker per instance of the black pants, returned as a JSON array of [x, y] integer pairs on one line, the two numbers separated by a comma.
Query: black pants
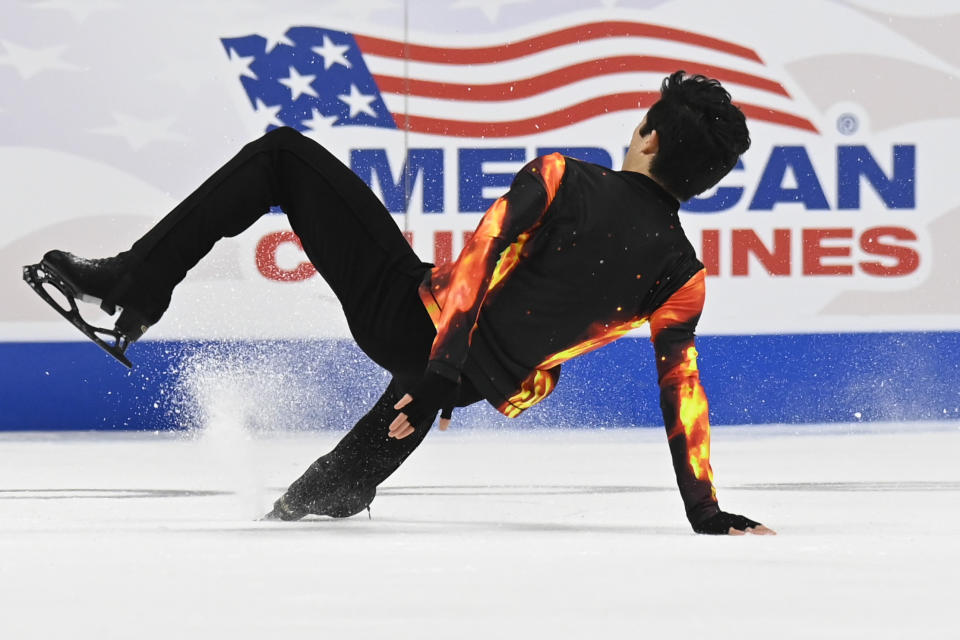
[[355, 245]]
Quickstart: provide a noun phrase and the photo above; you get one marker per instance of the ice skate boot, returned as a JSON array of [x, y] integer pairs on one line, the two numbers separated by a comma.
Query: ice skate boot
[[93, 281], [284, 509], [343, 503]]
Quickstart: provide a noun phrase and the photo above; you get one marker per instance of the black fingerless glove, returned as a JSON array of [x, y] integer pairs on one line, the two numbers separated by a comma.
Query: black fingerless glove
[[433, 393], [719, 524]]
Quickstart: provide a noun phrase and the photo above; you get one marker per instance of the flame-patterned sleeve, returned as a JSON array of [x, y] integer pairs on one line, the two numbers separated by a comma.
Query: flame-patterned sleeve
[[682, 398], [489, 256]]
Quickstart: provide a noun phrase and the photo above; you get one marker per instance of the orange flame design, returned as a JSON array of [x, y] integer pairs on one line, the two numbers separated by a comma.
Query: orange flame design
[[432, 306], [596, 336], [552, 169], [458, 292], [509, 259], [535, 388], [683, 307], [693, 411], [463, 294], [680, 376], [543, 380]]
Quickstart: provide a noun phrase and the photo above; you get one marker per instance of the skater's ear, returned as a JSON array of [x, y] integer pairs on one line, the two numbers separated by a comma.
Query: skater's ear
[[643, 149], [649, 142]]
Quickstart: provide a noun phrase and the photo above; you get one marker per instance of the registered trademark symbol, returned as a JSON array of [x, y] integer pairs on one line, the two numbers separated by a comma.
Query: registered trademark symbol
[[847, 124]]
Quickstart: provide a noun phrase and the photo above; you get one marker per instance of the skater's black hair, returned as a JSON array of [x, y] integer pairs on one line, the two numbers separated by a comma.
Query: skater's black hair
[[701, 134]]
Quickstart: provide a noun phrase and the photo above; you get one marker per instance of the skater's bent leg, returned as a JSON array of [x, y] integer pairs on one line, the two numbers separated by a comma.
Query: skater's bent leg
[[343, 482], [345, 230], [228, 202], [347, 233]]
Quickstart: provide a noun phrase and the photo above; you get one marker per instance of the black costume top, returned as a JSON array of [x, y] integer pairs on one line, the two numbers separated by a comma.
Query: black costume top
[[573, 257]]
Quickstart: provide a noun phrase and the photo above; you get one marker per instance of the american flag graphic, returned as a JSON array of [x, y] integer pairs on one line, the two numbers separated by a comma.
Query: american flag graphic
[[315, 75]]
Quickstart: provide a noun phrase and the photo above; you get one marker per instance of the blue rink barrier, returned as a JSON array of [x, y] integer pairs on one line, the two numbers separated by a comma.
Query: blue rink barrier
[[768, 379]]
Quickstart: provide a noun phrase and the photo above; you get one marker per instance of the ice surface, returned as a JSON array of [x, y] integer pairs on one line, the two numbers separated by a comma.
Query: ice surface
[[482, 534]]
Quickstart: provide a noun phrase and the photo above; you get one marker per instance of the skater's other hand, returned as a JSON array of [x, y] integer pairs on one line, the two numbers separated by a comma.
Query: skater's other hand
[[434, 394], [400, 428]]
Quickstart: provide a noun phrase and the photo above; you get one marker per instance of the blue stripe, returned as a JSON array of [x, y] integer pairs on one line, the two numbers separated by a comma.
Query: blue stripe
[[794, 379]]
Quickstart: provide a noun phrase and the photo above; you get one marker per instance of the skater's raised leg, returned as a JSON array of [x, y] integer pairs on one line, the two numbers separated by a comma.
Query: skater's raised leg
[[345, 230]]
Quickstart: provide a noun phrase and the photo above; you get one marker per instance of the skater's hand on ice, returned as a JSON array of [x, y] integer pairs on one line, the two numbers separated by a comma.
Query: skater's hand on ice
[[400, 428], [731, 524]]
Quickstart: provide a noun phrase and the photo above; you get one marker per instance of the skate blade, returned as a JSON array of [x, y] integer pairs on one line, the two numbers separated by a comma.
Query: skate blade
[[37, 275]]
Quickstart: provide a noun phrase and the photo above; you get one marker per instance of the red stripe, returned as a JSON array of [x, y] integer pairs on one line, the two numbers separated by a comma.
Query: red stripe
[[567, 75], [756, 112], [572, 115], [571, 35], [539, 124]]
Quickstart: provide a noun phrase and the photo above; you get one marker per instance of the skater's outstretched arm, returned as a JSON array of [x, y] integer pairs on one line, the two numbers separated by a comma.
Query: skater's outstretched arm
[[685, 411], [486, 261]]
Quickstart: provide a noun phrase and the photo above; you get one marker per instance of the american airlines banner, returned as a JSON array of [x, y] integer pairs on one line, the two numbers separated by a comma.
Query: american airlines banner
[[832, 289]]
